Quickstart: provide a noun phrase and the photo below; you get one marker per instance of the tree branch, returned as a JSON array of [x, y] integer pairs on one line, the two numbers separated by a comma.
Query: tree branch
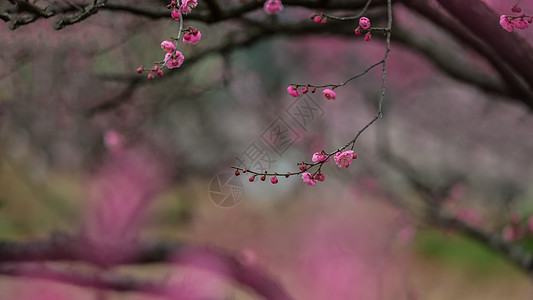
[[62, 247]]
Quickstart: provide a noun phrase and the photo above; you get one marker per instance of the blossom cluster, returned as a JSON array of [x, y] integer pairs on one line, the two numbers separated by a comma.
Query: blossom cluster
[[343, 159], [173, 57], [521, 21], [364, 24]]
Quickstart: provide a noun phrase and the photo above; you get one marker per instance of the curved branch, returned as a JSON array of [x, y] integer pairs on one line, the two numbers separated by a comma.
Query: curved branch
[[62, 247]]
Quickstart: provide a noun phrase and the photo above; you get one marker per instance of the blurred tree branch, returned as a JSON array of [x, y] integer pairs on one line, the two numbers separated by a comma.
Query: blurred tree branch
[[62, 247]]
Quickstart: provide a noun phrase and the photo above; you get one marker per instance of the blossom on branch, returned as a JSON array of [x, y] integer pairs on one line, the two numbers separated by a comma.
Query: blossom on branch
[[188, 5], [329, 94], [344, 159], [174, 60], [309, 179], [168, 46], [293, 91], [273, 7], [364, 23]]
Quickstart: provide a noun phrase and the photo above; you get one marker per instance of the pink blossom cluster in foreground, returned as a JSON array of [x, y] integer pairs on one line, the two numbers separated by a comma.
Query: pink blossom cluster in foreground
[[343, 159], [521, 21], [174, 58]]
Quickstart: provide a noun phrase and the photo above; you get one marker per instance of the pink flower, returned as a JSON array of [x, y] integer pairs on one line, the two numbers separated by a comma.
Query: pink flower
[[174, 60], [192, 37], [188, 5], [344, 159], [273, 7], [308, 178], [175, 14], [168, 46], [319, 157], [521, 23], [320, 177], [364, 23], [329, 94], [358, 30], [506, 23], [293, 91], [368, 36]]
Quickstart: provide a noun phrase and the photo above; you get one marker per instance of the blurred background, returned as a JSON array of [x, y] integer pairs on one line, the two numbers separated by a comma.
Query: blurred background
[[88, 145]]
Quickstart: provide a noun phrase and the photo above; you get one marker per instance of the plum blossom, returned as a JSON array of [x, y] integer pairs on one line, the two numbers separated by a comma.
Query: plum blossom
[[319, 157], [188, 5], [192, 36], [344, 159], [293, 91], [368, 36], [174, 60], [274, 180], [320, 177], [506, 23], [521, 23], [175, 14], [273, 7], [308, 178], [364, 22], [168, 46], [329, 94]]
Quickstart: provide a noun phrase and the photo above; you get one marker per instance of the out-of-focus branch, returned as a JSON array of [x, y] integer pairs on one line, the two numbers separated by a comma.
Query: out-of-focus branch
[[516, 85], [70, 275], [450, 63], [512, 48], [210, 14], [433, 197], [62, 247]]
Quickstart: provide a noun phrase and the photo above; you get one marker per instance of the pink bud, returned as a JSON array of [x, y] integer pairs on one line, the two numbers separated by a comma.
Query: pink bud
[[317, 19], [168, 46], [159, 73], [274, 180], [273, 7], [140, 69], [364, 23], [303, 167], [151, 75], [329, 94], [293, 91], [354, 156], [358, 31], [516, 8], [324, 21], [252, 178], [244, 170], [305, 90], [237, 173], [175, 14], [192, 37], [263, 178], [368, 36]]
